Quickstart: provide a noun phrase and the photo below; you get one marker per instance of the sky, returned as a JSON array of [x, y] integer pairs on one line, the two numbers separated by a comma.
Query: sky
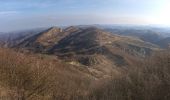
[[26, 14]]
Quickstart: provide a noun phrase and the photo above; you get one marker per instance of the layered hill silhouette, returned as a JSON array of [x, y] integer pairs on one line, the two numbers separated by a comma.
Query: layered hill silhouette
[[10, 39], [159, 37]]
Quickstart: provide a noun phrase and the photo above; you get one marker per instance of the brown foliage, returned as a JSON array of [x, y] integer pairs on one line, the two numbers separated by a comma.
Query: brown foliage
[[149, 80], [39, 77], [30, 77]]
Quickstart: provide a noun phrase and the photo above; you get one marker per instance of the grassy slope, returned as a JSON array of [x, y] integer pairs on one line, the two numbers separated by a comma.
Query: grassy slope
[[37, 77]]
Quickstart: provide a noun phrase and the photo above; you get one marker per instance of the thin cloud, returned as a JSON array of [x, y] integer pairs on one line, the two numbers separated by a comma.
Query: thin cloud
[[8, 12]]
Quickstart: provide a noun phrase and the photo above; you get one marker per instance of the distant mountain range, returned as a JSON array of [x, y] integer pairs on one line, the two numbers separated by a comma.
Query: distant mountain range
[[12, 38], [101, 50], [152, 35]]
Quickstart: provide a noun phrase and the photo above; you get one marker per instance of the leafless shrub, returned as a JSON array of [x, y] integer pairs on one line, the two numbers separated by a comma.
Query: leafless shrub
[[29, 77], [149, 80], [37, 77]]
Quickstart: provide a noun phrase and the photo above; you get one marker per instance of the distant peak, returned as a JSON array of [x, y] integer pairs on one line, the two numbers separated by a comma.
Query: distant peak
[[55, 29], [92, 28], [49, 33], [72, 28]]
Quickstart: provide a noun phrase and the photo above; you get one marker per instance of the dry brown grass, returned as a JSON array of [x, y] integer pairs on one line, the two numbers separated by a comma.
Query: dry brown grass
[[36, 77], [28, 77], [148, 80]]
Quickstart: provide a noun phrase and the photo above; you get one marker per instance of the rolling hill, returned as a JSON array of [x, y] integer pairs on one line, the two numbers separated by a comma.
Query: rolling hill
[[82, 63], [98, 50], [157, 36], [147, 35], [164, 43]]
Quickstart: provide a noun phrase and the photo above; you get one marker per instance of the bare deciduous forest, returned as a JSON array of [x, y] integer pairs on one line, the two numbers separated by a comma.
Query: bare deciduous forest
[[36, 77]]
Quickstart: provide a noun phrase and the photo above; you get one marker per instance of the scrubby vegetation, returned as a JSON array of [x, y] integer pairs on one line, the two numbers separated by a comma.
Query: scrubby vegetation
[[37, 77], [30, 77], [149, 80]]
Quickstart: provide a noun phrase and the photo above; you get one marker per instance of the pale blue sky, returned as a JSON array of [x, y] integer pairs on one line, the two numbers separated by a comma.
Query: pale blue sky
[[24, 14]]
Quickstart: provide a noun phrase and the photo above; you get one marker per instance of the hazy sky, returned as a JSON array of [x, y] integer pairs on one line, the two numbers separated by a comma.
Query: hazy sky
[[24, 14]]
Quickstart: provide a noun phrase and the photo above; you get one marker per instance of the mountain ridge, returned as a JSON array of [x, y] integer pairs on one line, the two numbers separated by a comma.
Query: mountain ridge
[[78, 39], [100, 51]]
